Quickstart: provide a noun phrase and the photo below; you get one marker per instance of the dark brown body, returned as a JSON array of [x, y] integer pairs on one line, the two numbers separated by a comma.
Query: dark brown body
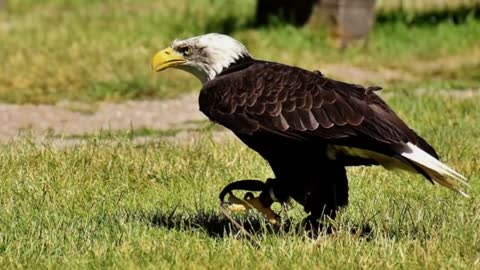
[[291, 117]]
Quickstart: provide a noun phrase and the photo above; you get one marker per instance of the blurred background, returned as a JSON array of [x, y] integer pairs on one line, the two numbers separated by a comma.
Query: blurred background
[[80, 55]]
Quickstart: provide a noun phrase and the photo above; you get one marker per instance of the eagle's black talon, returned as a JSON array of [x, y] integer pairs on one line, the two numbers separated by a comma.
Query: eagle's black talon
[[248, 184], [261, 203]]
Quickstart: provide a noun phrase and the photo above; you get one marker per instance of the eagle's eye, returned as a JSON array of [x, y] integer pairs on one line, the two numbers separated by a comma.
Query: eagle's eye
[[185, 50]]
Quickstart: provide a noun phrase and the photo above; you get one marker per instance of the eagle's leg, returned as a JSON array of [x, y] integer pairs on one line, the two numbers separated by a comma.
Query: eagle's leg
[[262, 203], [325, 197]]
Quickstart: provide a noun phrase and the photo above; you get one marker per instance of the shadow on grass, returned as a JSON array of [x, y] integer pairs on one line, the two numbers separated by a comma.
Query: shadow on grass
[[217, 225], [214, 224]]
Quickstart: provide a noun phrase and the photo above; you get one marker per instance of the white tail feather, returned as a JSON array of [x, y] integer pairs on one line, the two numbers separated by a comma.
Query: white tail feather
[[433, 167]]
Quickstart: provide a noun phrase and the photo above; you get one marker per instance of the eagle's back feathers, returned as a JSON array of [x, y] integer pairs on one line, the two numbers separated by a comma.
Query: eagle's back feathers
[[264, 97]]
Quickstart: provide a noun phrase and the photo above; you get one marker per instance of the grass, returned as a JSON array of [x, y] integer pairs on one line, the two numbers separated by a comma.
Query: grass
[[110, 202], [71, 50], [200, 126], [121, 205]]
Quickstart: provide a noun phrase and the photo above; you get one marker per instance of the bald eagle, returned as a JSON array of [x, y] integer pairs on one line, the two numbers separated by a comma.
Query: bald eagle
[[307, 126]]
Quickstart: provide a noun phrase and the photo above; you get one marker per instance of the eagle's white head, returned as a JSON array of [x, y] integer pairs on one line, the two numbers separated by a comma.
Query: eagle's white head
[[204, 56]]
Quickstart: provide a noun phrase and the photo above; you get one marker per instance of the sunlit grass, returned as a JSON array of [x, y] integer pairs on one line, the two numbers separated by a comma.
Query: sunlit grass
[[122, 205], [111, 203], [98, 51]]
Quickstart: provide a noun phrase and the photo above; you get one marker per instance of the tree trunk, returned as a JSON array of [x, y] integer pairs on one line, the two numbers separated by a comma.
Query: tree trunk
[[347, 20], [295, 12]]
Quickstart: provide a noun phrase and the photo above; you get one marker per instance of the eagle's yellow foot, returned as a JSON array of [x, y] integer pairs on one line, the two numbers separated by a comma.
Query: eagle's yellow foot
[[237, 205]]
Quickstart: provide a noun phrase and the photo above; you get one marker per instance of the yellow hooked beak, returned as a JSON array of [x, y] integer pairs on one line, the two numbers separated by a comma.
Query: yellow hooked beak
[[166, 58]]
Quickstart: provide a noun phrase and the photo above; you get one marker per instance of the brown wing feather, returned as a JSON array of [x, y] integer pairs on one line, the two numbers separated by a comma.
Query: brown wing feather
[[297, 103]]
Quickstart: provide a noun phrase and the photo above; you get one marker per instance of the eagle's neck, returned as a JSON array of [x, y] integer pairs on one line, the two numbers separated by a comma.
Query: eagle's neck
[[206, 71], [239, 64]]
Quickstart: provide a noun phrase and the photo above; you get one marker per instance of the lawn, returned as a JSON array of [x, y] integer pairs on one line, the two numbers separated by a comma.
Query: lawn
[[109, 202]]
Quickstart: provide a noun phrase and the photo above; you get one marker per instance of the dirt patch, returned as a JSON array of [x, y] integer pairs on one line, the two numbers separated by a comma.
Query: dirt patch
[[41, 119], [180, 113], [358, 75], [448, 63], [457, 94]]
